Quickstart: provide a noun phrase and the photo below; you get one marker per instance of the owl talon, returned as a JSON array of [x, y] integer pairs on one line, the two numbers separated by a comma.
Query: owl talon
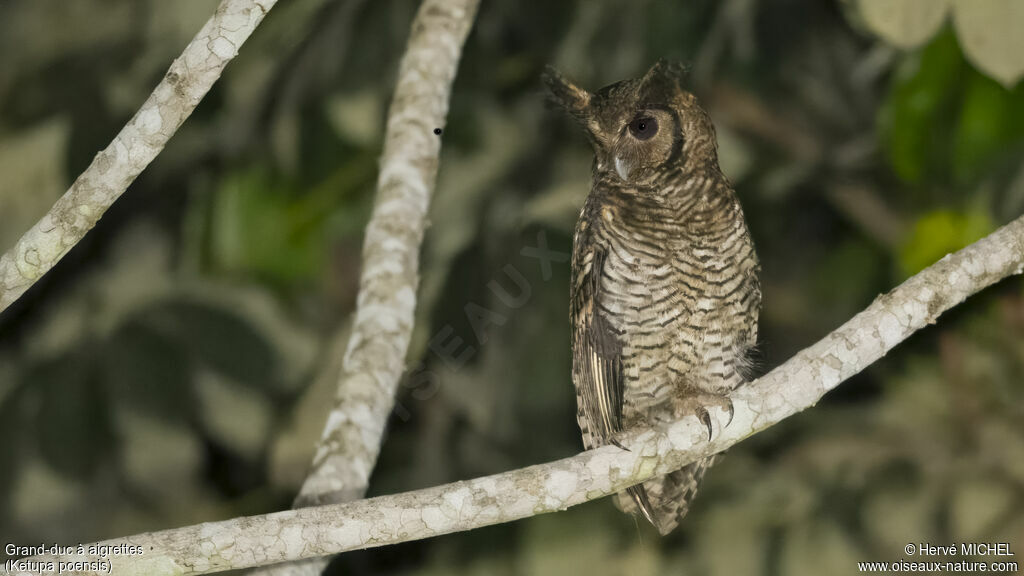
[[697, 404], [705, 417], [615, 442]]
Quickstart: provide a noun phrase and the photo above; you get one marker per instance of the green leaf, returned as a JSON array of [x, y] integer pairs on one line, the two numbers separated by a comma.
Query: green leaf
[[989, 123], [917, 112], [939, 233], [943, 122], [258, 227], [278, 229]]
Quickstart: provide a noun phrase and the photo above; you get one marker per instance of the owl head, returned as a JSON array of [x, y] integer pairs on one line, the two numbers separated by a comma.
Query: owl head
[[643, 127]]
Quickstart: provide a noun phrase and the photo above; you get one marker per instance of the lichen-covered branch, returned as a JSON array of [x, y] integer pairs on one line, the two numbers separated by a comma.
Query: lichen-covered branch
[[385, 310], [189, 79], [794, 386], [375, 358]]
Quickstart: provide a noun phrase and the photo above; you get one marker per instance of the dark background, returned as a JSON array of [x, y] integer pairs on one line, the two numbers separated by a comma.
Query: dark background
[[176, 366]]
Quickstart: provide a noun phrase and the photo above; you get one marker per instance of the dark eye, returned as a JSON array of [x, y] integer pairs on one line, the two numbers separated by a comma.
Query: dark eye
[[643, 127]]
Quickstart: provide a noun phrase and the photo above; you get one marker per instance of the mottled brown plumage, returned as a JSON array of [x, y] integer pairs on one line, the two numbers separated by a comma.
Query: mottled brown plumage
[[665, 293]]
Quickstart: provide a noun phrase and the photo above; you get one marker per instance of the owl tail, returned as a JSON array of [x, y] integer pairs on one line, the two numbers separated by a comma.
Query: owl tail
[[664, 501]]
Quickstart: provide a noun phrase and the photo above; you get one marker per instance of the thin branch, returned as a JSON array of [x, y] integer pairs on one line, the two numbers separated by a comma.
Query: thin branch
[[385, 310], [189, 79], [375, 358], [794, 386]]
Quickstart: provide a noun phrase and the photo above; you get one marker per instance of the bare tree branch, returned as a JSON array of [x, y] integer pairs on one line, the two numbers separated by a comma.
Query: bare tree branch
[[385, 311], [189, 79], [375, 358], [794, 386]]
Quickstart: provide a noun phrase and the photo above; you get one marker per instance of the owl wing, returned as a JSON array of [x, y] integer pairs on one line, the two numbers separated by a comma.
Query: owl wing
[[597, 353], [597, 358]]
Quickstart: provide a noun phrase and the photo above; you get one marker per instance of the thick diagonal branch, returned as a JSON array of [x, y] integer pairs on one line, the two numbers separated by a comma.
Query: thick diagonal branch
[[794, 386], [189, 79]]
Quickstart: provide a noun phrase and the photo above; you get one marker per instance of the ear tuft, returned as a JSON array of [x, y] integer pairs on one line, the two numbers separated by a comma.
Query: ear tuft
[[665, 73], [564, 93]]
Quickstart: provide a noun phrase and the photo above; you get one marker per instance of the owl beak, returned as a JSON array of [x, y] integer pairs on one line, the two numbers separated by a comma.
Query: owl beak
[[622, 169]]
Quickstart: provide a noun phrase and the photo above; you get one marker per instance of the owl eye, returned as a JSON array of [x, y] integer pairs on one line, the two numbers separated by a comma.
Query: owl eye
[[643, 127]]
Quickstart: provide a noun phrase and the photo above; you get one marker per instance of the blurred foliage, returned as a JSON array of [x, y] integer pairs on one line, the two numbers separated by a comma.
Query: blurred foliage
[[987, 28], [947, 121], [939, 233], [177, 366]]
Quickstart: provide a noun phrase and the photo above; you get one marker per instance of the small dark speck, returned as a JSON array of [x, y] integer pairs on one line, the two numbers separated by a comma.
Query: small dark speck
[[437, 131]]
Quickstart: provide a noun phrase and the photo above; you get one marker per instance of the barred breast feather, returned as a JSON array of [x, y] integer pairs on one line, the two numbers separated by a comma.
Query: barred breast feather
[[664, 304]]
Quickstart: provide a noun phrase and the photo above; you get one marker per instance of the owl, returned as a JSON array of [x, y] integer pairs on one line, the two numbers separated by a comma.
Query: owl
[[665, 294]]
